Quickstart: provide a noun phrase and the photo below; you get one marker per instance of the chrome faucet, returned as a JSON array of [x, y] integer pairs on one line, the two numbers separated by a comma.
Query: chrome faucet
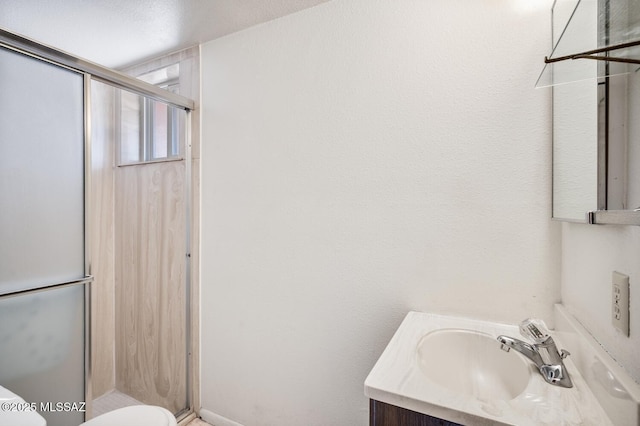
[[543, 353]]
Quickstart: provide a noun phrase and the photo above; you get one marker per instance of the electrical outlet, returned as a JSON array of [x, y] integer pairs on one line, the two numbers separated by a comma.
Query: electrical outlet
[[620, 302]]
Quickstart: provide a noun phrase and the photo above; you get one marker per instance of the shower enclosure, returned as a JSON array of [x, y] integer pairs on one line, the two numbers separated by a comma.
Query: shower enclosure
[[95, 236], [140, 303]]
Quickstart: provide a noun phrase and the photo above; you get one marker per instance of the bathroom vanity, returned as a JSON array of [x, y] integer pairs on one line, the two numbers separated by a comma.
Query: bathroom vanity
[[444, 370], [383, 414]]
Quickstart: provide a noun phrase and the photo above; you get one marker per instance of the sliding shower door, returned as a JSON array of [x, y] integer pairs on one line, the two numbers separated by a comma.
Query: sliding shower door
[[42, 238]]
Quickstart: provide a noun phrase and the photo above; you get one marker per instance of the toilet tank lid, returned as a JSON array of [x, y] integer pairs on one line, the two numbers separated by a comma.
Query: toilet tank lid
[[150, 415], [16, 417]]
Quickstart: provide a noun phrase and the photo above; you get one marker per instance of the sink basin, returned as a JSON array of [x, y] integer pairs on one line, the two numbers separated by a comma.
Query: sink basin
[[472, 363], [452, 368]]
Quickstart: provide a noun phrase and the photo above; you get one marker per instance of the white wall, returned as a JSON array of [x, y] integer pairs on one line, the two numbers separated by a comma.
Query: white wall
[[589, 255], [362, 159]]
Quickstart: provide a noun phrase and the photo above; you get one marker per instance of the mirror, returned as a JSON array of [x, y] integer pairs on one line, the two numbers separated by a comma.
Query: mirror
[[575, 150], [596, 132], [575, 116]]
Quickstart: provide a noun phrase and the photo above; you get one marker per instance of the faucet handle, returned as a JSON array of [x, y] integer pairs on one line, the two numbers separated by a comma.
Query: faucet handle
[[534, 329], [564, 353]]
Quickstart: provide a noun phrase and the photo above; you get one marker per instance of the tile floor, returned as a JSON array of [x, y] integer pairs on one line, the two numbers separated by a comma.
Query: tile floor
[[197, 422]]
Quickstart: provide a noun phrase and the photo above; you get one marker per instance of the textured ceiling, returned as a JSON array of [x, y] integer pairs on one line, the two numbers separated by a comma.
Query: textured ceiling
[[117, 33]]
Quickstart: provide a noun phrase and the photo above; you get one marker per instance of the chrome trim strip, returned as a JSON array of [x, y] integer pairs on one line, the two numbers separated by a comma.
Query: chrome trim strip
[[159, 160], [614, 217], [85, 280], [602, 155], [88, 375], [183, 414], [97, 72], [188, 272]]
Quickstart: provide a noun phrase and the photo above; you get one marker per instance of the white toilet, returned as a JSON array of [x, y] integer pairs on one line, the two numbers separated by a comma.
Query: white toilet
[[136, 415]]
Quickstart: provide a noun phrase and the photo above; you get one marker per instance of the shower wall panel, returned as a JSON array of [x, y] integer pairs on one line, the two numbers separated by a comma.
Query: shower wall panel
[[150, 280], [102, 238]]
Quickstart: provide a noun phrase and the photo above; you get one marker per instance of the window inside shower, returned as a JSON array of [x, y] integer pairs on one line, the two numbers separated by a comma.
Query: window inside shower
[[150, 130]]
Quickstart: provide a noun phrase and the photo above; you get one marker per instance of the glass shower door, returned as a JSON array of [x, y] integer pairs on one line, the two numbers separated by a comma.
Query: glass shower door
[[42, 238]]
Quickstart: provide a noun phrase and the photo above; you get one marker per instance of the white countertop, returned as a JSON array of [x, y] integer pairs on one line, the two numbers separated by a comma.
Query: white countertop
[[396, 379]]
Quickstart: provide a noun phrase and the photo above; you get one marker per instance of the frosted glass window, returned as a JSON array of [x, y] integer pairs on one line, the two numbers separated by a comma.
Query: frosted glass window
[[131, 131], [149, 130], [161, 132], [41, 173]]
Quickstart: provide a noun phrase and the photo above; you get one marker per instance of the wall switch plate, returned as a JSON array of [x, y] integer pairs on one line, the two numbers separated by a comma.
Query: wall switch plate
[[620, 302]]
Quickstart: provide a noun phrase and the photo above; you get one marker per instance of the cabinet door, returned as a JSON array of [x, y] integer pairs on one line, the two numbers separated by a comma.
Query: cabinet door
[[382, 414]]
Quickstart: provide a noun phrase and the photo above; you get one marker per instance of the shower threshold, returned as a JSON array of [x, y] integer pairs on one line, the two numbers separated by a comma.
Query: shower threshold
[[112, 401]]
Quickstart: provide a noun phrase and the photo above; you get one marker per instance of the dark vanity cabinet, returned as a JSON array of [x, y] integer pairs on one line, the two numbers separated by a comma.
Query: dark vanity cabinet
[[383, 414]]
